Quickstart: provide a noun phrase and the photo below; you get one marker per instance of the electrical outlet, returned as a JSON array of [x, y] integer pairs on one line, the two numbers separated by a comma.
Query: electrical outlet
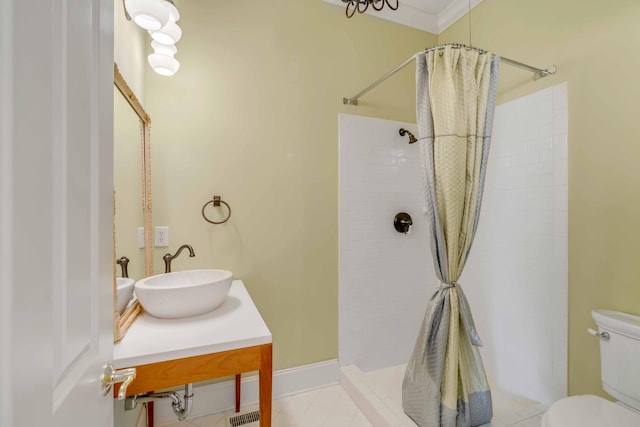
[[161, 238], [141, 237]]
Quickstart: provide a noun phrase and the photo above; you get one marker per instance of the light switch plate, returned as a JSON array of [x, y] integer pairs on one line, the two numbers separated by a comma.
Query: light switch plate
[[141, 237]]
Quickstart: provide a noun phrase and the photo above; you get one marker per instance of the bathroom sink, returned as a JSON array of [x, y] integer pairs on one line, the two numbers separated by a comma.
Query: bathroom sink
[[124, 289], [183, 293]]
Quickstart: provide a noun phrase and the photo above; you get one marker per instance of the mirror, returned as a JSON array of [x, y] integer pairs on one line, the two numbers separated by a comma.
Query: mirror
[[132, 197]]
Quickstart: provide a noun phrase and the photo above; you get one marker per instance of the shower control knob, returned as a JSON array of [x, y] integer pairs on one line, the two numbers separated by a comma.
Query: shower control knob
[[402, 222]]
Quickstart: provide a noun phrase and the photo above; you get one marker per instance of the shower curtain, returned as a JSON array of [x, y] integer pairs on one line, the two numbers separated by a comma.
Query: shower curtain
[[445, 383]]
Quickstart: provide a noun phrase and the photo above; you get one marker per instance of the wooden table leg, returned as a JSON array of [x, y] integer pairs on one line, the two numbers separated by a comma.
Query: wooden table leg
[[150, 414], [266, 372], [238, 376]]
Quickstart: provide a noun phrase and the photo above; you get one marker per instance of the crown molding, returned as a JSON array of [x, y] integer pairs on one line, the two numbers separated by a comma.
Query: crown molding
[[453, 12]]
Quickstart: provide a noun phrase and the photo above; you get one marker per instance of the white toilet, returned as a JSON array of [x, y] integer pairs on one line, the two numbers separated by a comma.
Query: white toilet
[[619, 335]]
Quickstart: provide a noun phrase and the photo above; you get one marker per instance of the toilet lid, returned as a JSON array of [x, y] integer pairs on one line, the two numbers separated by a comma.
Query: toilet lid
[[589, 411]]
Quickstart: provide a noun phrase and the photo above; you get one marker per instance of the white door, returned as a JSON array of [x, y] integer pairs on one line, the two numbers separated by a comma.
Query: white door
[[56, 211]]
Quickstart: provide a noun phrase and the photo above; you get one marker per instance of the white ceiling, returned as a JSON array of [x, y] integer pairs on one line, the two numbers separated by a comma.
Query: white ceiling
[[433, 16]]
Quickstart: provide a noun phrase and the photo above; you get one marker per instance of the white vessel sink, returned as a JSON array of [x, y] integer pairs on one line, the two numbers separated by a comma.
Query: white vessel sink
[[124, 290], [183, 293]]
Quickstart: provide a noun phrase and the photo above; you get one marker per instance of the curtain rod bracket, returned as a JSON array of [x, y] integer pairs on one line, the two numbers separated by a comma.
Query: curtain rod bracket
[[548, 72]]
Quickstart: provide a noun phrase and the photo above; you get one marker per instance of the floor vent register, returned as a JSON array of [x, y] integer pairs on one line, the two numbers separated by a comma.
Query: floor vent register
[[248, 419]]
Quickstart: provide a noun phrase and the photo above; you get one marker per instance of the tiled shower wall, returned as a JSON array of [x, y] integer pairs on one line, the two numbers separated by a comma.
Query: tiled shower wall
[[385, 277], [516, 276]]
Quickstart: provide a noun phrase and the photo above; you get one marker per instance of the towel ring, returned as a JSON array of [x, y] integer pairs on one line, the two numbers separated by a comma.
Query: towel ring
[[216, 202]]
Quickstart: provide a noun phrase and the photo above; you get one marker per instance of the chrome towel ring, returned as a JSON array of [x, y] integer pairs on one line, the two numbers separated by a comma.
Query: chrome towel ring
[[216, 202]]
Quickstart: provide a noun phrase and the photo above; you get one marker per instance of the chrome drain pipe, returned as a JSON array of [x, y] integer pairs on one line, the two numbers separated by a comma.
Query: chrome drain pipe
[[181, 411]]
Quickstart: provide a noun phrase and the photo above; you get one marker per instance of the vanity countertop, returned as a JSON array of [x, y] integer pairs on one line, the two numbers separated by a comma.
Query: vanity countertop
[[235, 324]]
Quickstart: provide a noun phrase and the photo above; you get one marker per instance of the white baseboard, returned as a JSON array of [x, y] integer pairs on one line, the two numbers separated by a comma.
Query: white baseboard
[[220, 397]]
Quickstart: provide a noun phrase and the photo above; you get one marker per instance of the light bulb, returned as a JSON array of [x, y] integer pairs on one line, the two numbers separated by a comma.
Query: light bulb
[[163, 64], [148, 14]]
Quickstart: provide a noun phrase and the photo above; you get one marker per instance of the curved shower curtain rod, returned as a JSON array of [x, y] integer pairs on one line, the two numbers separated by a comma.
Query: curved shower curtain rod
[[538, 71]]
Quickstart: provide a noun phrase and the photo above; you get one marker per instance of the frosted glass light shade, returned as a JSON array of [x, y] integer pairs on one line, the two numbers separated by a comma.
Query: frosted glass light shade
[[169, 34], [163, 64], [174, 15], [148, 14], [164, 49]]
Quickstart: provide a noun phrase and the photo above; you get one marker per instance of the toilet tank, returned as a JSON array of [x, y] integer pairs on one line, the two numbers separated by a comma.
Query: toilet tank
[[620, 355]]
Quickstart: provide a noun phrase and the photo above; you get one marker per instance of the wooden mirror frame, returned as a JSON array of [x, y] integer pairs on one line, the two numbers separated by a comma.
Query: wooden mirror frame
[[122, 322]]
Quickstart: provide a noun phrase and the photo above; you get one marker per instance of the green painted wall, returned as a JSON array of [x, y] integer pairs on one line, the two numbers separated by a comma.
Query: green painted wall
[[252, 115], [596, 46]]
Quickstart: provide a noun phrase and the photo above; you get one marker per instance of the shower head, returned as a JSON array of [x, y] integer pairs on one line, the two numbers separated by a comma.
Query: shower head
[[404, 132]]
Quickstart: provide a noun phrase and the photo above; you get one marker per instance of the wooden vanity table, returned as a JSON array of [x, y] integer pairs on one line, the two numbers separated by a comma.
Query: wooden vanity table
[[172, 352]]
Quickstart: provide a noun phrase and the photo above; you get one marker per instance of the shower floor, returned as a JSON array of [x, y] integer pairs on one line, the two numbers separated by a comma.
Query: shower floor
[[379, 395]]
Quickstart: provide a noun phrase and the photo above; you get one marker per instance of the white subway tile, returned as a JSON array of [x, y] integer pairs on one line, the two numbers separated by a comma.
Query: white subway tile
[[560, 146], [560, 122], [560, 330], [561, 197], [560, 172]]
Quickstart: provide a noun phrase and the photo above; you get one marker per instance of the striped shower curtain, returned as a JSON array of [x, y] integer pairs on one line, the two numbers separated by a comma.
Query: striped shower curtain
[[445, 383]]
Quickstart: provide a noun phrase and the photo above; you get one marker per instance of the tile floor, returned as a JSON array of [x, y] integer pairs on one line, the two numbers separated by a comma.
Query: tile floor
[[332, 407], [326, 407], [383, 390]]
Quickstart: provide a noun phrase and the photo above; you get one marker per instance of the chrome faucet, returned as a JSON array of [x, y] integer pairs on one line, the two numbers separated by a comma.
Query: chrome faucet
[[168, 257]]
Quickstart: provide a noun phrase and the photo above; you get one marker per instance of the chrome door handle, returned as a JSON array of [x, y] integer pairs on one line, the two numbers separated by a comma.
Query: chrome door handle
[[111, 376], [602, 335]]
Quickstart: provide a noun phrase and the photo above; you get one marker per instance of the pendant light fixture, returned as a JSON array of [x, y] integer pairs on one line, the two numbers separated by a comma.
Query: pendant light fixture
[[159, 18], [170, 33], [164, 49], [162, 60], [148, 14]]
